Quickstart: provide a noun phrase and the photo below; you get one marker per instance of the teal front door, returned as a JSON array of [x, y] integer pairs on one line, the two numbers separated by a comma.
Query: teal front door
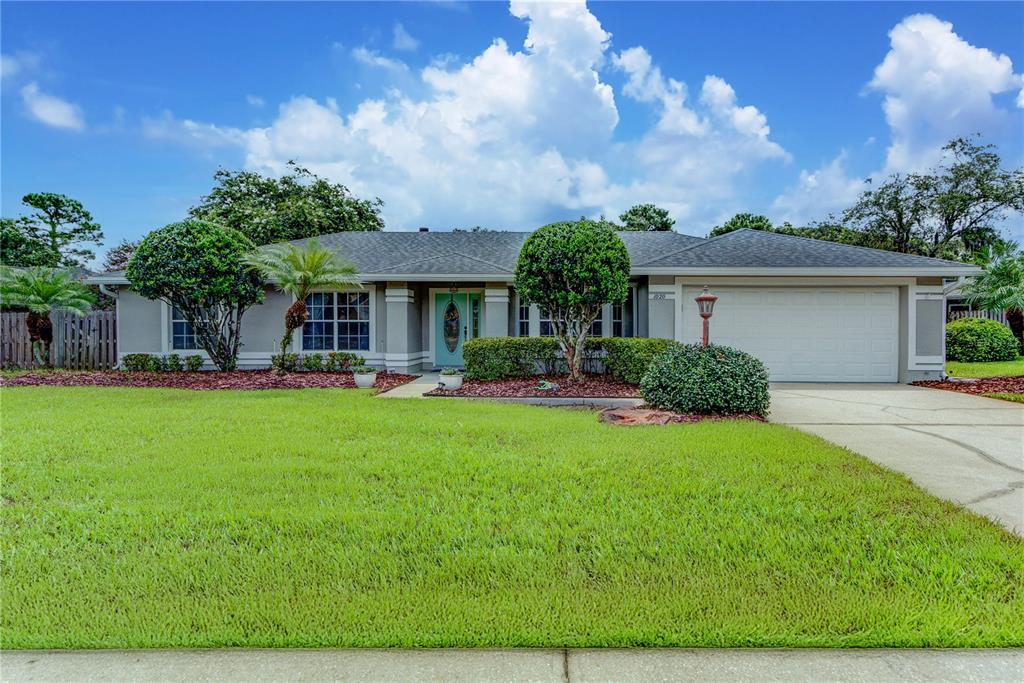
[[456, 319]]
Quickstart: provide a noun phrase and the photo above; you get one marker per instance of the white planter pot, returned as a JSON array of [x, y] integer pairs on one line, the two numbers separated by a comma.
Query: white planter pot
[[365, 381], [451, 382]]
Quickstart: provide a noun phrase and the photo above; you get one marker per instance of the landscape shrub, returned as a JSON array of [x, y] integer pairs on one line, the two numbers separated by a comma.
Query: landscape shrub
[[338, 361], [194, 363], [173, 363], [628, 358], [284, 362], [313, 362], [977, 340], [716, 380], [135, 362], [155, 363], [492, 358]]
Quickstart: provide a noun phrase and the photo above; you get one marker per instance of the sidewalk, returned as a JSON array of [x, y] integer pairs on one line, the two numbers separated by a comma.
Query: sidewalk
[[416, 388], [559, 666]]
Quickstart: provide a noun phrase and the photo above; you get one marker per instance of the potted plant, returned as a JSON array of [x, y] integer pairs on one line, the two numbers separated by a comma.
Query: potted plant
[[365, 376], [451, 379]]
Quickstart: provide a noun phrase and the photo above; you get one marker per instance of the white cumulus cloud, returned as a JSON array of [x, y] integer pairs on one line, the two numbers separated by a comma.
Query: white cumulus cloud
[[403, 40], [937, 86], [50, 109], [818, 193]]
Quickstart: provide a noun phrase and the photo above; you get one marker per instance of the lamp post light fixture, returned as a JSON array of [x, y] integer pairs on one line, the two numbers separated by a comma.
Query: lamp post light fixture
[[706, 305]]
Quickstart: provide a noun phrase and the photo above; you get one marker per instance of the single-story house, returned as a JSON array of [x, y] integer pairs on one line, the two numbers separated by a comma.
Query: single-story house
[[813, 311]]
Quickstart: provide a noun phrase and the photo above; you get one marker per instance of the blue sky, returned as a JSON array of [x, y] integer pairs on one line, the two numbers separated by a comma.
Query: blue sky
[[499, 114]]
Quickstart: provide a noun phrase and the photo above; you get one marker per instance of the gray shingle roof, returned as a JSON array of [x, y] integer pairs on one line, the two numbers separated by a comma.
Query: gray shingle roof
[[468, 253], [757, 249]]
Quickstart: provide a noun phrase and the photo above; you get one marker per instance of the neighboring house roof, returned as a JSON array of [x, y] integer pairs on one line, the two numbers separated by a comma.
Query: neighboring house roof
[[493, 255]]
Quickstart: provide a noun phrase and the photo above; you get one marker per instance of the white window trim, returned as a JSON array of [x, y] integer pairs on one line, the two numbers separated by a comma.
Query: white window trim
[[917, 293], [370, 353]]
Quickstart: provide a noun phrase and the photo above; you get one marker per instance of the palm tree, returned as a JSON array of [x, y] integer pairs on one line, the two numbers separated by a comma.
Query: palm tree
[[1000, 288], [298, 271], [43, 291]]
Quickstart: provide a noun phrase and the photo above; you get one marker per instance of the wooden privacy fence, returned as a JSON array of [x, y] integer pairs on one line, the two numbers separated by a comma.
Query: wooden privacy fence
[[998, 316], [79, 342]]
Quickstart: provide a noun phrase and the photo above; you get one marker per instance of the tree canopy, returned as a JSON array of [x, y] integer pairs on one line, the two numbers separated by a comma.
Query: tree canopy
[[59, 226], [743, 220], [646, 218], [571, 269], [118, 256], [199, 267], [295, 206]]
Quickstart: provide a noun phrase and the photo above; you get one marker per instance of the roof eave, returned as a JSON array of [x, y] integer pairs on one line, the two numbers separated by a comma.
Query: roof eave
[[925, 271]]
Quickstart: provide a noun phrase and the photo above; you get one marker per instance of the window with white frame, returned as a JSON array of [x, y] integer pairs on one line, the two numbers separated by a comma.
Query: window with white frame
[[337, 321], [524, 320], [617, 326], [183, 337], [547, 328]]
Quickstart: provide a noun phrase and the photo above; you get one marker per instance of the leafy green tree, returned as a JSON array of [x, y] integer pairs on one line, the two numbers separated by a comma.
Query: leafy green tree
[[60, 224], [571, 269], [646, 218], [1000, 288], [966, 199], [891, 215], [118, 256], [295, 206], [200, 268], [42, 291], [743, 220], [21, 247], [298, 270]]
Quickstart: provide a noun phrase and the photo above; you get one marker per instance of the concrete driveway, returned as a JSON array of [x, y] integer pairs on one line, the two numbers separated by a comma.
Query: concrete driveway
[[966, 449]]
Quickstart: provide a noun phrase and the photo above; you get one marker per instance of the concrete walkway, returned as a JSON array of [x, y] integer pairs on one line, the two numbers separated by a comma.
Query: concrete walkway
[[966, 449], [560, 666], [416, 388]]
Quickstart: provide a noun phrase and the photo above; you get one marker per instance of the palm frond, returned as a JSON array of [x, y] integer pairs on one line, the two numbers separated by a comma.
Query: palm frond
[[42, 290], [299, 270]]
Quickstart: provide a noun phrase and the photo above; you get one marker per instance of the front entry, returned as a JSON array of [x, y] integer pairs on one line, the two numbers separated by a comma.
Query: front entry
[[456, 319]]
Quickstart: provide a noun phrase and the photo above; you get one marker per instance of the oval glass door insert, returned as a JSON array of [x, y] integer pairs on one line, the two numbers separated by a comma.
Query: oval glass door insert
[[452, 318]]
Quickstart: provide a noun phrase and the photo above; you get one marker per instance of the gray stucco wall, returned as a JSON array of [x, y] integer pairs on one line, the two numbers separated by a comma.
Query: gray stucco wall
[[138, 324], [930, 327], [263, 325]]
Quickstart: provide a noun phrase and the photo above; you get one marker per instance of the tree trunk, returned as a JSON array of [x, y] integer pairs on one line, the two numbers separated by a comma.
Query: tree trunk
[[294, 318], [1015, 319], [40, 332]]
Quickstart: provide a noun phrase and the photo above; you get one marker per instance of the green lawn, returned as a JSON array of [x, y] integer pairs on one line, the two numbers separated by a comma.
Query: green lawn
[[1016, 398], [1010, 368], [158, 518]]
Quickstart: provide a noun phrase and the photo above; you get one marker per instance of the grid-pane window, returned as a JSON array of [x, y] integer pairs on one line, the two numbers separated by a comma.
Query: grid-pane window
[[546, 328], [318, 332], [353, 321], [524, 320], [617, 326], [183, 337]]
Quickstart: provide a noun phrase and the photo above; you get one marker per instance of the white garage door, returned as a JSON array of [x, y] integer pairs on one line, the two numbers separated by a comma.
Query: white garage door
[[842, 334]]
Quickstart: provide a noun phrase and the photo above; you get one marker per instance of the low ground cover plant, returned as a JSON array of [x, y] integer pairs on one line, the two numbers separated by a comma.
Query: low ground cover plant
[[228, 523], [978, 340], [149, 362], [715, 380]]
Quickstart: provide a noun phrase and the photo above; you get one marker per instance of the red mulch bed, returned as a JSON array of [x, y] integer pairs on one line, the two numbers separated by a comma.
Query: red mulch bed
[[595, 386], [989, 385], [239, 380]]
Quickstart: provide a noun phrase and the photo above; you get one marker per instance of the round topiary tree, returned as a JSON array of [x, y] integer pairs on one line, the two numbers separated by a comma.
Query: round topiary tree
[[199, 268], [977, 340], [718, 380], [571, 269]]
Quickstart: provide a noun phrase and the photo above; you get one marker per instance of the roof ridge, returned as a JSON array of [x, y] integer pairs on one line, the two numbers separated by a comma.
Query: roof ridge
[[703, 241], [873, 250]]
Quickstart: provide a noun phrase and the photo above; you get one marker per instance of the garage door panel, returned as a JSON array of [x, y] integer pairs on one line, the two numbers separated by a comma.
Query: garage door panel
[[806, 335]]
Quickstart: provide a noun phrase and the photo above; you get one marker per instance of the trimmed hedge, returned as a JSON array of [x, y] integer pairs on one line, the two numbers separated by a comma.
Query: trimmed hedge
[[712, 380], [628, 358], [491, 358], [149, 362], [624, 358], [977, 340]]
